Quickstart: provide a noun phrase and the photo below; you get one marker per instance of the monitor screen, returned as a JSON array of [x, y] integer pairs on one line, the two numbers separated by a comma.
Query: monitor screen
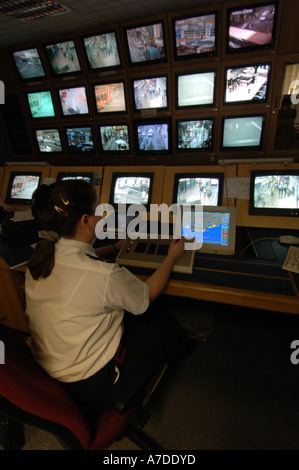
[[63, 58], [110, 97], [247, 84], [195, 36], [73, 101], [48, 140], [29, 64], [242, 132], [252, 27], [198, 188], [194, 135], [131, 188], [150, 93], [115, 138], [274, 193], [41, 104], [21, 186], [80, 139], [153, 137], [195, 89], [146, 43], [102, 51], [216, 231], [75, 175]]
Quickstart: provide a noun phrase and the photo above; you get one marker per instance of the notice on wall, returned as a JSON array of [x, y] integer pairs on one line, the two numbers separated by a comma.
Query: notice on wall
[[237, 187]]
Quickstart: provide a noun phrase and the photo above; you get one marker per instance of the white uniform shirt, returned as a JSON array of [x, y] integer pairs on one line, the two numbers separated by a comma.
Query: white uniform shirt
[[75, 315]]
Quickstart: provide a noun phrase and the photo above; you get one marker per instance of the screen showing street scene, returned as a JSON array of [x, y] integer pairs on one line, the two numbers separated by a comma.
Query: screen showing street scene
[[132, 190], [146, 43], [41, 104], [196, 89], [23, 186], [252, 26], [150, 93], [29, 64], [243, 131], [102, 50], [276, 191], [153, 137], [115, 138], [248, 83], [48, 140], [196, 135], [63, 57], [80, 139], [195, 35], [198, 190], [73, 101], [110, 98]]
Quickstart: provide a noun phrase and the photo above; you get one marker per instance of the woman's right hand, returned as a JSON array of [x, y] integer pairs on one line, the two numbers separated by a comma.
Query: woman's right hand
[[176, 249]]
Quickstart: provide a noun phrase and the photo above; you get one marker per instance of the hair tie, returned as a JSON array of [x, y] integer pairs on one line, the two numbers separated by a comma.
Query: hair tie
[[49, 235]]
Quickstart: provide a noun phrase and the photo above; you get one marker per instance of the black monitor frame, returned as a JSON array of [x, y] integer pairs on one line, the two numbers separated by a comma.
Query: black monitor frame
[[149, 77], [42, 90], [74, 151], [75, 175], [107, 84], [147, 61], [194, 149], [153, 122], [119, 151], [272, 211], [19, 201], [103, 68], [51, 65], [194, 55], [73, 87], [241, 148], [199, 174], [128, 174], [190, 73], [33, 78], [51, 153]]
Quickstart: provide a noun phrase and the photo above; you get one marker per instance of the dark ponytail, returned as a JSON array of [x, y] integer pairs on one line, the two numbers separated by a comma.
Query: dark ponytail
[[58, 208]]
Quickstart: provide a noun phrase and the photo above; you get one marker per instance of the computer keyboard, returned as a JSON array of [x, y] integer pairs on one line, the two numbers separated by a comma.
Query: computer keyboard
[[291, 262], [150, 254]]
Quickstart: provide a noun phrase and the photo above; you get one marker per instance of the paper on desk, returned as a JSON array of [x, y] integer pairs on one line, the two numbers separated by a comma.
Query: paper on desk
[[22, 215], [237, 187]]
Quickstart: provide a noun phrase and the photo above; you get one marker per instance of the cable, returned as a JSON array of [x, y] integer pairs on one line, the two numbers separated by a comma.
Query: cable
[[255, 241]]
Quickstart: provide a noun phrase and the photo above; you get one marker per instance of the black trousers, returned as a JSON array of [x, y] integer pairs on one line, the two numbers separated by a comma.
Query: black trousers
[[146, 339]]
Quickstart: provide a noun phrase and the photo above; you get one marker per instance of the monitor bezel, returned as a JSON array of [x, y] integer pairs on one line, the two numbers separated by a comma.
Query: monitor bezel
[[161, 60], [194, 72], [263, 47], [31, 79], [62, 74], [18, 201], [61, 174], [114, 152], [73, 116], [195, 55], [109, 82], [79, 152], [30, 92], [198, 174], [149, 77], [194, 150], [35, 130], [123, 174], [240, 148], [270, 211], [103, 68], [154, 121], [245, 102]]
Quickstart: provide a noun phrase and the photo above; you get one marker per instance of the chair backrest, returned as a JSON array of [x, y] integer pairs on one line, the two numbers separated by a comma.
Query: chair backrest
[[29, 394]]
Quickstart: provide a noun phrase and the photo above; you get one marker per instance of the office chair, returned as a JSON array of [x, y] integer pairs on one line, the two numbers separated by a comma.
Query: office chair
[[29, 395]]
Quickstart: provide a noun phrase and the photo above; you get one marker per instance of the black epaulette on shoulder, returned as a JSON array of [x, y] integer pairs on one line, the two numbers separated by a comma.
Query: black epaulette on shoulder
[[96, 258]]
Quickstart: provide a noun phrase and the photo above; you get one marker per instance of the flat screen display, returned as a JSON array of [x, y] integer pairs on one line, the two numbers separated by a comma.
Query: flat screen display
[[247, 84], [150, 93], [80, 139], [195, 89], [48, 140], [73, 101], [41, 104], [195, 135], [63, 57], [29, 64], [115, 138], [195, 35], [146, 43], [251, 27], [243, 132], [102, 51], [110, 97]]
